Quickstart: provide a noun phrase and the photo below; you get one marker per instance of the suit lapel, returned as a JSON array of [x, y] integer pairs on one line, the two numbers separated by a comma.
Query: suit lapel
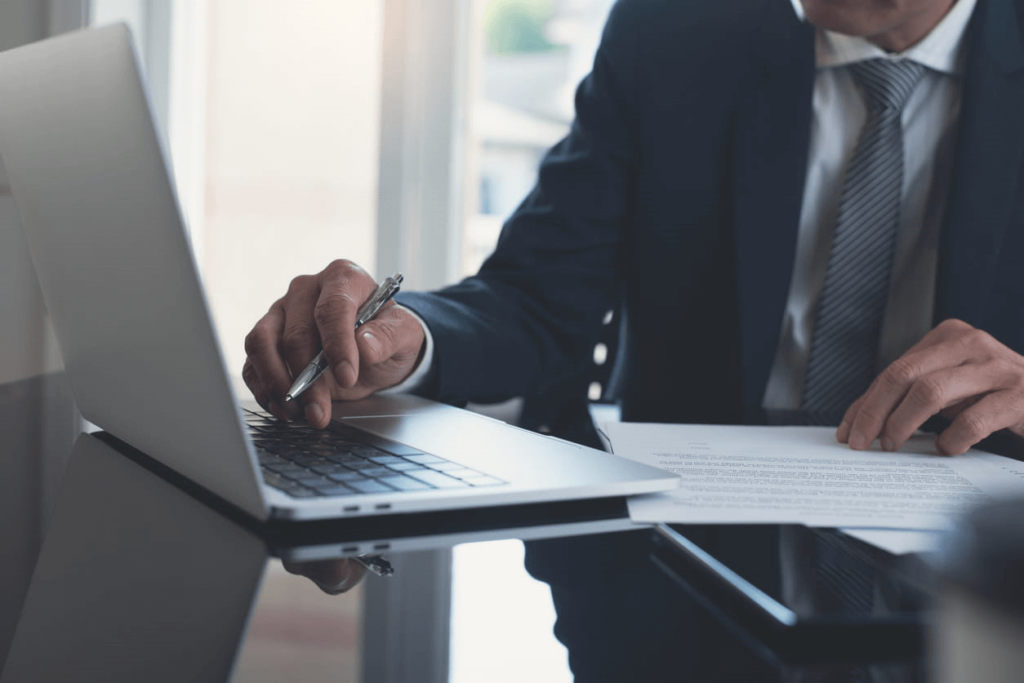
[[772, 136], [987, 163]]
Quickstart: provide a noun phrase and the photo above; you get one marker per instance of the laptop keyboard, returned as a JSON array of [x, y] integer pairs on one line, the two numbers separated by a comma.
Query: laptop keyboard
[[343, 461]]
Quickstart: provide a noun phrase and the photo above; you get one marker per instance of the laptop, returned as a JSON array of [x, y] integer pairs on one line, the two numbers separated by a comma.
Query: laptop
[[91, 181], [177, 582]]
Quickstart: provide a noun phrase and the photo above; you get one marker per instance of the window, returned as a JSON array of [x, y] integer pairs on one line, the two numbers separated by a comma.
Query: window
[[292, 129], [529, 57], [272, 115]]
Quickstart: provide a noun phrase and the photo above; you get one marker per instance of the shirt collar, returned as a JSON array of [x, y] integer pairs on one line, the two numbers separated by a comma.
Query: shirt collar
[[940, 50]]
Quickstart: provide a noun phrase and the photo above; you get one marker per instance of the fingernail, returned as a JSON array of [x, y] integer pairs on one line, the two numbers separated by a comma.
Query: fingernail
[[275, 409], [856, 442], [372, 340], [888, 444], [314, 414]]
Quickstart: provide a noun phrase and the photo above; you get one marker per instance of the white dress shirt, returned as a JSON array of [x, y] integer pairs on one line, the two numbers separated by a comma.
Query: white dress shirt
[[929, 126]]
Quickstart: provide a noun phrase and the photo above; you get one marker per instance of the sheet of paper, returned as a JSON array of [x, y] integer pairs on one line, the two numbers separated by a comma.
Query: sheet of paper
[[801, 475]]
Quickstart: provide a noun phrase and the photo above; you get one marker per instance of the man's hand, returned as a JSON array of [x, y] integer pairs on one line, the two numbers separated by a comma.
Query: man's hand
[[956, 370], [333, 577], [319, 311]]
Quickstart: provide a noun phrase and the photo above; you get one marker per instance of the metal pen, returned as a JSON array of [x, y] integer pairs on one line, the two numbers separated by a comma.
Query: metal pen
[[319, 365]]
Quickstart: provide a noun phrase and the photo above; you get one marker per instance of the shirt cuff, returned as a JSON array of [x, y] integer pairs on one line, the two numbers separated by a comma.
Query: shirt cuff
[[418, 378]]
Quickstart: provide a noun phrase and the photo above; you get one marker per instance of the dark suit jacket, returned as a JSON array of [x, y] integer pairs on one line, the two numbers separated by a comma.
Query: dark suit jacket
[[679, 188]]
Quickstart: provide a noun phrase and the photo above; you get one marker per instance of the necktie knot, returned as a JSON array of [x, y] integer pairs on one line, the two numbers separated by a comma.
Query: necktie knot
[[887, 84]]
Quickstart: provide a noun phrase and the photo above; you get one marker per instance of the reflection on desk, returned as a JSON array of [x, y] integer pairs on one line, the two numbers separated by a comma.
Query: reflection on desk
[[139, 579], [135, 580]]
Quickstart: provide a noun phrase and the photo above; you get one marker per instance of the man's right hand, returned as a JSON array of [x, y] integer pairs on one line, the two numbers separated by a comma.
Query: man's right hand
[[319, 311]]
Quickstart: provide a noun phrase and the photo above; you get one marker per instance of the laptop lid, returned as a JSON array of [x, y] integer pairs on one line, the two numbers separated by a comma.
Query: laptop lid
[[90, 178]]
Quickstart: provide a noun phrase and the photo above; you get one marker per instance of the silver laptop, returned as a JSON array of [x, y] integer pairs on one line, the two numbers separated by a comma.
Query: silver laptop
[[189, 575], [91, 182]]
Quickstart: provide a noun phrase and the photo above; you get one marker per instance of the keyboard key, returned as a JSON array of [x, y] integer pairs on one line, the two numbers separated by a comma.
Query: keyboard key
[[425, 459], [346, 476], [328, 467], [361, 465], [403, 483], [287, 451], [335, 490], [407, 466], [386, 459], [276, 480], [441, 481], [369, 486], [376, 472], [344, 459], [307, 459], [310, 479], [267, 458], [290, 487], [366, 452], [285, 467], [400, 449]]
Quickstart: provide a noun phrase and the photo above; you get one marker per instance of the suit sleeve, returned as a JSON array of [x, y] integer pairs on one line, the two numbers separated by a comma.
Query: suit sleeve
[[534, 310]]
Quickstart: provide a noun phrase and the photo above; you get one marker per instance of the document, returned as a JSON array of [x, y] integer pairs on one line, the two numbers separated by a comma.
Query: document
[[801, 475]]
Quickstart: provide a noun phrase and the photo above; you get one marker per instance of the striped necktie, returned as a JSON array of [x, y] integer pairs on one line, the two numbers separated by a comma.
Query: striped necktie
[[844, 346]]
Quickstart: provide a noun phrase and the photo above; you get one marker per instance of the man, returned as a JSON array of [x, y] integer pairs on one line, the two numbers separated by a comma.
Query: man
[[704, 185]]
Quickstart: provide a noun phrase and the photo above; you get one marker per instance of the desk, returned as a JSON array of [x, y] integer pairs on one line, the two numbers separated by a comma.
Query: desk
[[146, 582]]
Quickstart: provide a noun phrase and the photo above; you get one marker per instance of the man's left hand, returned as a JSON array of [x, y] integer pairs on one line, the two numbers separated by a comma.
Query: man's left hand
[[956, 370]]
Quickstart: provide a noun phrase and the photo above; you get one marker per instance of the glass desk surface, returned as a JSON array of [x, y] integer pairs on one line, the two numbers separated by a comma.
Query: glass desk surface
[[139, 578]]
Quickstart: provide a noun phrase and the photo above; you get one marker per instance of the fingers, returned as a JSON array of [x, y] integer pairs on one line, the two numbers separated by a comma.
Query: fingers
[[955, 369], [995, 411], [265, 371], [843, 432], [319, 312], [932, 394], [307, 327], [891, 388], [344, 287], [315, 403], [331, 576], [299, 337]]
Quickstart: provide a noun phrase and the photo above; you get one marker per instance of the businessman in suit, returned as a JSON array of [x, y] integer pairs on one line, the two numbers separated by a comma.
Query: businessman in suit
[[702, 188]]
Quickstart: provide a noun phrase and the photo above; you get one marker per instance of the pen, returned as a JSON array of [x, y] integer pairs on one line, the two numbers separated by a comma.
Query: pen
[[319, 365]]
